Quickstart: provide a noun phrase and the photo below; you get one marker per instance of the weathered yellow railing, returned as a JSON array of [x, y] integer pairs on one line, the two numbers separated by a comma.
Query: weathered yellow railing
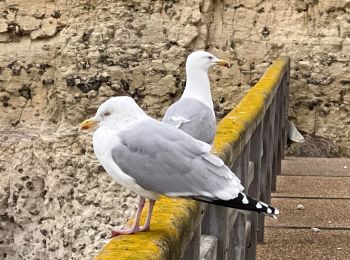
[[251, 140]]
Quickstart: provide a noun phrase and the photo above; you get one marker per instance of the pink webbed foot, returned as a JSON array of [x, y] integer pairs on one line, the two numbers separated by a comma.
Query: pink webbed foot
[[129, 231], [136, 228], [144, 228]]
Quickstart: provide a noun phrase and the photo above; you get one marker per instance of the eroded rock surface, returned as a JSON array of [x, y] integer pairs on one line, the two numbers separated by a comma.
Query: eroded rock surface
[[60, 59]]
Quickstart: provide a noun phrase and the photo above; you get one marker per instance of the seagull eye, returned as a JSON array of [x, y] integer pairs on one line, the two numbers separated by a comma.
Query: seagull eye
[[106, 113], [210, 57]]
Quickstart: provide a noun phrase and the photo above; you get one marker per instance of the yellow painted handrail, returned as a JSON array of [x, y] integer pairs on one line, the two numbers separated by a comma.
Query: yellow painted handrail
[[253, 104], [170, 220]]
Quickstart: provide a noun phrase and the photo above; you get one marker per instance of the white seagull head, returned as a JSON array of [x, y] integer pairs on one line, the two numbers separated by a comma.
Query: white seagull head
[[204, 61], [114, 113]]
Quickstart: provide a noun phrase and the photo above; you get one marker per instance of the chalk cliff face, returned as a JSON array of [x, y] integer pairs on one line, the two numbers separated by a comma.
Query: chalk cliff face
[[60, 59]]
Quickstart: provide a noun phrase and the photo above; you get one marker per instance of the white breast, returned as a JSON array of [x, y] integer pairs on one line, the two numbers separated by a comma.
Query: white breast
[[103, 141]]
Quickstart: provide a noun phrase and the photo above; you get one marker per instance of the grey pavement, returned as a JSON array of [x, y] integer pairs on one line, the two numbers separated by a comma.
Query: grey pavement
[[316, 166], [312, 186]]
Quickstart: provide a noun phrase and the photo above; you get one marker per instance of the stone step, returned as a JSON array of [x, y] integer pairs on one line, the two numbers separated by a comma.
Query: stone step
[[312, 186], [321, 185], [316, 166], [317, 213], [283, 243]]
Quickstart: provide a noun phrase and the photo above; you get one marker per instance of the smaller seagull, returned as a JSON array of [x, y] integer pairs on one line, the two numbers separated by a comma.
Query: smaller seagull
[[194, 112], [293, 134], [151, 159]]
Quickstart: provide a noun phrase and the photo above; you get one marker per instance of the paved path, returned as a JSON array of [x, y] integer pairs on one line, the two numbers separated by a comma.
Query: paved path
[[322, 186]]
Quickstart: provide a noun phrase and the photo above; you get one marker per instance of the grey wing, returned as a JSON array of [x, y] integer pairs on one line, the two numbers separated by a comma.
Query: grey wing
[[165, 160], [194, 118]]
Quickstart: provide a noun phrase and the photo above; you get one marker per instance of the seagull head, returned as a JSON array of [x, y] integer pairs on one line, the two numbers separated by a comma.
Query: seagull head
[[204, 61], [114, 113]]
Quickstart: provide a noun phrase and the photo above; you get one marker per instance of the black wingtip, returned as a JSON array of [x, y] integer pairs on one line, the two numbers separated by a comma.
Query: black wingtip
[[244, 202]]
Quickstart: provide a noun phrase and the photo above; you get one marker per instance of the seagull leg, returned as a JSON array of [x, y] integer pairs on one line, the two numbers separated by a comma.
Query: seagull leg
[[135, 226], [147, 225]]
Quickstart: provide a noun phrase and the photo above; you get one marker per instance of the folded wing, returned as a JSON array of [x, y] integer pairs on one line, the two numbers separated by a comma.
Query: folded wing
[[165, 160], [194, 118]]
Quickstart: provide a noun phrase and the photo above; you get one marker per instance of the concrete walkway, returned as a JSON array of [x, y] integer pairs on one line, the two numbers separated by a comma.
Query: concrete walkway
[[322, 229]]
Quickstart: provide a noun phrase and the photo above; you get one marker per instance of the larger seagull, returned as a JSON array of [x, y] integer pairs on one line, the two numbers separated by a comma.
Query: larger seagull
[[151, 158], [194, 112]]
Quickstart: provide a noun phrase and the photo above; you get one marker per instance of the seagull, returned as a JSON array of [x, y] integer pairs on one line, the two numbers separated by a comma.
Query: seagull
[[151, 159], [293, 134], [194, 112]]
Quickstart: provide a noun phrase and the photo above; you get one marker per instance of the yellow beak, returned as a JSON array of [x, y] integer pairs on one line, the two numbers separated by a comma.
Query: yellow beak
[[224, 63], [88, 124]]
